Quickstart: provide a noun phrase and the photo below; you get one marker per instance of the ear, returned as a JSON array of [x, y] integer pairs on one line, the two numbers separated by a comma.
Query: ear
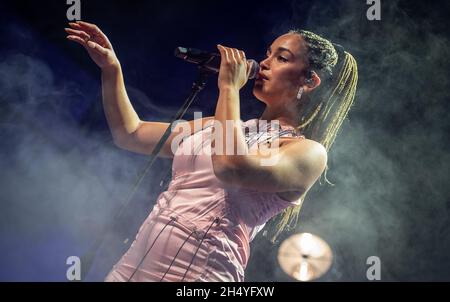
[[312, 83]]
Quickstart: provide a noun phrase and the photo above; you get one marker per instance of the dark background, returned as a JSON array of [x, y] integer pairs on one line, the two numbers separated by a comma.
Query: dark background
[[63, 179]]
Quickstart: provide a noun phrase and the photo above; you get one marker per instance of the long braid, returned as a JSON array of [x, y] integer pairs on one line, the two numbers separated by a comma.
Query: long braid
[[327, 108]]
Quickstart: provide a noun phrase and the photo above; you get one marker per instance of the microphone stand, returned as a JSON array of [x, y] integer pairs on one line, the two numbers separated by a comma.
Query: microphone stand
[[198, 85]]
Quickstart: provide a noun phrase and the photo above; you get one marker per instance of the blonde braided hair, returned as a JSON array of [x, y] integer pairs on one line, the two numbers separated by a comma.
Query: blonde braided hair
[[327, 108]]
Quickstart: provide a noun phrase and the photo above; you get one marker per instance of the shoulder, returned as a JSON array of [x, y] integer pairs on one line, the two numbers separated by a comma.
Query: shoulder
[[303, 143], [306, 153], [314, 146]]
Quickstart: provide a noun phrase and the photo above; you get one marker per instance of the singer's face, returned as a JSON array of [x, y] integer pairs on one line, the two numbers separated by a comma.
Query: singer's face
[[282, 70]]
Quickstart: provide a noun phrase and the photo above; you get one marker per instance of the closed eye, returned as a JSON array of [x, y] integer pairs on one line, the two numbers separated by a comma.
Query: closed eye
[[280, 58]]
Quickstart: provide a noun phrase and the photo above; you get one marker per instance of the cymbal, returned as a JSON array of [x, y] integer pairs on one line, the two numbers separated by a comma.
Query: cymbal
[[305, 256]]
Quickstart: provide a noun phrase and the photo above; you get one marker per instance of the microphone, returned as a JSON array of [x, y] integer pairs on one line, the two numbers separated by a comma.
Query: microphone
[[210, 61]]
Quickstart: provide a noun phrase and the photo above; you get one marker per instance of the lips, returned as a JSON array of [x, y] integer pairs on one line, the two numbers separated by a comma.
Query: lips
[[261, 76]]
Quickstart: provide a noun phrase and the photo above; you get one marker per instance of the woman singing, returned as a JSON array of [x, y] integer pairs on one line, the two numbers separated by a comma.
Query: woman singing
[[201, 227]]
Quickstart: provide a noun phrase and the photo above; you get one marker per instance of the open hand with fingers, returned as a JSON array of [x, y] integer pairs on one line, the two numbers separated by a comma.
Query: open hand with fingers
[[95, 42]]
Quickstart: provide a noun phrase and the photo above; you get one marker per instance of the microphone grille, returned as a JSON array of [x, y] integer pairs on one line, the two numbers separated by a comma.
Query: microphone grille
[[254, 69]]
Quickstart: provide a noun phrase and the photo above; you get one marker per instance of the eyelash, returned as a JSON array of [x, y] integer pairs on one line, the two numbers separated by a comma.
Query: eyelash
[[280, 58]]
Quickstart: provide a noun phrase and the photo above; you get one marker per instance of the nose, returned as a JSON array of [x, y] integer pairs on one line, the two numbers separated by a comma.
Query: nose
[[264, 64]]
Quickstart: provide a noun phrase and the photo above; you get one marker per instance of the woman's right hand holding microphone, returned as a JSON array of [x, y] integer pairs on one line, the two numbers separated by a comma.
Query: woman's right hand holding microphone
[[95, 42]]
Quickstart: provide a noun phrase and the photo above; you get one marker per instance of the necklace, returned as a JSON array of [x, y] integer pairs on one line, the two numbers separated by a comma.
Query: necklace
[[266, 136]]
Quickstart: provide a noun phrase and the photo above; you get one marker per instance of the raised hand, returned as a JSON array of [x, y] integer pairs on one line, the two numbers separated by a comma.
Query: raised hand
[[234, 68], [94, 41]]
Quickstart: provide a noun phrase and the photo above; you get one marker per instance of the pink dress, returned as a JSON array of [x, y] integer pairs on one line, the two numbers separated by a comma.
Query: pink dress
[[200, 229]]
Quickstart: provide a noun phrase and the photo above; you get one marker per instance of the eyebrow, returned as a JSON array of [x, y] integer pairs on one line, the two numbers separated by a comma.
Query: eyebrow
[[281, 49]]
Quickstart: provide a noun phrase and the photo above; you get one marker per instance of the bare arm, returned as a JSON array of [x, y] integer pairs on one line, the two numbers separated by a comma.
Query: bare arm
[[128, 131], [120, 114], [148, 134]]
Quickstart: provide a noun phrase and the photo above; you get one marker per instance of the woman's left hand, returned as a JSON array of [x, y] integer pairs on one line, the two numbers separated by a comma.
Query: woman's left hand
[[234, 68]]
